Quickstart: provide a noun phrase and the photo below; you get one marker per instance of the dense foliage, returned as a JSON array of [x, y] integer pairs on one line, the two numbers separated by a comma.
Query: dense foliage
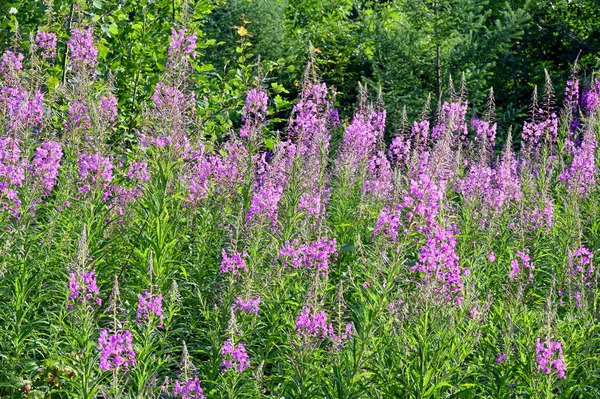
[[179, 246], [409, 48]]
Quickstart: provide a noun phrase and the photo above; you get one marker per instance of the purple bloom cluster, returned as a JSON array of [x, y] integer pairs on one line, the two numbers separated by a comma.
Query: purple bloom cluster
[[422, 198], [507, 180], [264, 204], [254, 113], [492, 187], [270, 179], [389, 223], [280, 168], [500, 357], [79, 117], [309, 128], [536, 217], [571, 98], [12, 174], [198, 176], [234, 356], [82, 51], [485, 132], [11, 67], [13, 102], [419, 133], [550, 356], [523, 262], [94, 171], [333, 117], [116, 350], [262, 168], [35, 109], [247, 305], [478, 184], [46, 164], [360, 140], [315, 255], [399, 150], [574, 126], [309, 115], [313, 202], [313, 324], [590, 99], [234, 264], [83, 288], [453, 116], [138, 171], [419, 206], [228, 169], [581, 274], [108, 108], [348, 333], [582, 175], [149, 306], [537, 132], [438, 131], [577, 296], [182, 45], [22, 109], [169, 101], [378, 181], [172, 110], [220, 173], [438, 263], [122, 195], [378, 117], [189, 389], [45, 42], [581, 264]]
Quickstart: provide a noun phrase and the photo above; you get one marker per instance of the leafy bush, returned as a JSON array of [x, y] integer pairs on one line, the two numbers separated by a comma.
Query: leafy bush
[[172, 261]]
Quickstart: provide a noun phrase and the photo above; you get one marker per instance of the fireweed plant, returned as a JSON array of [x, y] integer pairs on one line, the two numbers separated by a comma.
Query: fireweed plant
[[327, 261]]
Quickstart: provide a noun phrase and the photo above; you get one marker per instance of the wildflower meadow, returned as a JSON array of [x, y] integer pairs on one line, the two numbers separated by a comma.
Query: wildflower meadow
[[318, 255]]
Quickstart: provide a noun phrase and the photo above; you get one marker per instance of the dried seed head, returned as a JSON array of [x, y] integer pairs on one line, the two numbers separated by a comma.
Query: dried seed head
[[150, 269], [185, 364], [463, 89], [83, 251], [174, 294]]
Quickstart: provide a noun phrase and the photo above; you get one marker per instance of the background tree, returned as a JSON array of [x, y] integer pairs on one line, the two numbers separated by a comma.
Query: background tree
[[409, 49]]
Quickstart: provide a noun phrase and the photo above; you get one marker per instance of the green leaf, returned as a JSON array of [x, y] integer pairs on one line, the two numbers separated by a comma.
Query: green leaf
[[113, 29], [102, 50], [277, 88], [270, 144]]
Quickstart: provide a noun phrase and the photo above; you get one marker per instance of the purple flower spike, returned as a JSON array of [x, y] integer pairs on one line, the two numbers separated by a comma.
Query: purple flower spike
[[150, 306], [315, 255], [550, 356], [45, 43], [189, 389], [248, 305], [83, 289], [313, 324], [234, 357], [116, 350], [46, 164], [82, 51], [182, 45], [234, 264]]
